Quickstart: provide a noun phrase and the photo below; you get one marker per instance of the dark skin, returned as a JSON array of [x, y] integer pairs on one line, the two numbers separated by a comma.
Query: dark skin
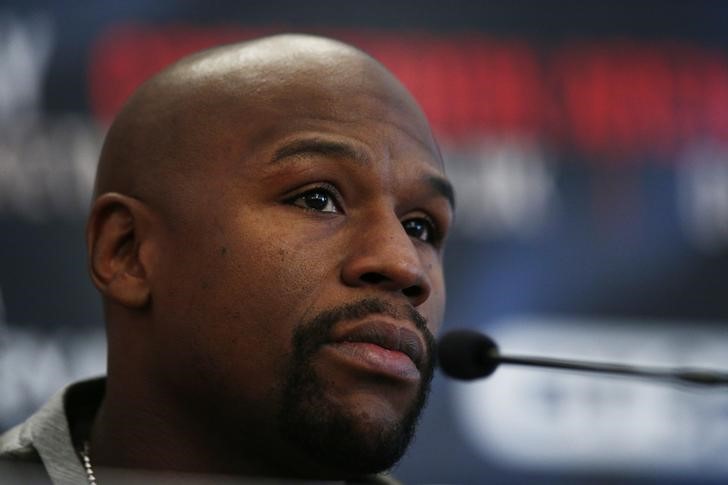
[[241, 193]]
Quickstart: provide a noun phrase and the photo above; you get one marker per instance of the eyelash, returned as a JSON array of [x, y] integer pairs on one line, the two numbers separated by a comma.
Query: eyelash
[[434, 234], [326, 188]]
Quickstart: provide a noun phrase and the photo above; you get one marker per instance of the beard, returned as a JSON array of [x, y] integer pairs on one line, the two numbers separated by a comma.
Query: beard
[[337, 437]]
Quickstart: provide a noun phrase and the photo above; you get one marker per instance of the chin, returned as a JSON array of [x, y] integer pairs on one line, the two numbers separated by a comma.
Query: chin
[[359, 434], [374, 414], [354, 442]]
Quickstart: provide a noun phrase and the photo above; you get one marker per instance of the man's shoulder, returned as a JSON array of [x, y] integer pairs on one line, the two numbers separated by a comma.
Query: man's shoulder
[[17, 444], [46, 436]]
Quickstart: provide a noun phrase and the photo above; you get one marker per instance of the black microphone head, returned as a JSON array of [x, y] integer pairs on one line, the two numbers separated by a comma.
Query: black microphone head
[[467, 354]]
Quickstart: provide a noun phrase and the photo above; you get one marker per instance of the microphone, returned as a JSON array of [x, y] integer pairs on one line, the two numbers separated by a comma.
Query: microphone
[[469, 355]]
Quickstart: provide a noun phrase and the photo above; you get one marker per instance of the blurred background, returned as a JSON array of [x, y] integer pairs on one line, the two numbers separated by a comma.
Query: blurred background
[[588, 142]]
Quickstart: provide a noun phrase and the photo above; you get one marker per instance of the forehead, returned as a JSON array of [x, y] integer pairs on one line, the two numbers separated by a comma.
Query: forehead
[[378, 134], [359, 131], [259, 102]]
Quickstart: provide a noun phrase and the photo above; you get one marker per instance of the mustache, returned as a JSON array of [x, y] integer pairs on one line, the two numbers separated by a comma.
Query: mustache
[[314, 333]]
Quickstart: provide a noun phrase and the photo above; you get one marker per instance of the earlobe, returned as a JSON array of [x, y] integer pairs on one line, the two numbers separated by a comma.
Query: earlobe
[[114, 235]]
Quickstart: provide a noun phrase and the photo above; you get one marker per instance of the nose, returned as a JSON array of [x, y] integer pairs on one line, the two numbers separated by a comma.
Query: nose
[[384, 256]]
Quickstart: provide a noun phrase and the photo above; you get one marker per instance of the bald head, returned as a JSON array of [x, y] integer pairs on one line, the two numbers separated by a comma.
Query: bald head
[[163, 133]]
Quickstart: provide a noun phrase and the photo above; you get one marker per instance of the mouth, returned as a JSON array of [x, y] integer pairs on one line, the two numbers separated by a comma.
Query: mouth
[[384, 347]]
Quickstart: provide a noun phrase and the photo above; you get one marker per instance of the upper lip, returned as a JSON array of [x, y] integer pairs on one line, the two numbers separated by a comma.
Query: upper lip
[[389, 336]]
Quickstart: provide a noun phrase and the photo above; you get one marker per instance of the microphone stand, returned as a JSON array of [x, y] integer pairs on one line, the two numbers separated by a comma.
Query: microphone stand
[[682, 375], [467, 355]]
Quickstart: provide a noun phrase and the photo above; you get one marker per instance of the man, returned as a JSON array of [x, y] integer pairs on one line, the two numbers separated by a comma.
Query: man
[[267, 234]]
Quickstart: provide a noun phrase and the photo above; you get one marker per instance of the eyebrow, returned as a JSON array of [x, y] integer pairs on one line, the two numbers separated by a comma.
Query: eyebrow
[[320, 146], [443, 187]]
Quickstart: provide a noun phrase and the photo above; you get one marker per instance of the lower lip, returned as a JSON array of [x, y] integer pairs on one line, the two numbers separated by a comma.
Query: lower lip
[[377, 359]]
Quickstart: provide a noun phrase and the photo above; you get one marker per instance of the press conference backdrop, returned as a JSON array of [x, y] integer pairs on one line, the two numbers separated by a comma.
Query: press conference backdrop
[[588, 142]]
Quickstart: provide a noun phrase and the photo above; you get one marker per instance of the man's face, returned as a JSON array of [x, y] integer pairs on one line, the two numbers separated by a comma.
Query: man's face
[[301, 281]]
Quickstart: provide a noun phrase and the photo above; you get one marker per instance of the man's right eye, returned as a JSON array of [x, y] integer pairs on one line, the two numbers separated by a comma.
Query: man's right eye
[[319, 199]]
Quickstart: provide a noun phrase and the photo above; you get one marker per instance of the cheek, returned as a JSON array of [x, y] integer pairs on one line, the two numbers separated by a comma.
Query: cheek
[[248, 267], [274, 275], [233, 305], [434, 307]]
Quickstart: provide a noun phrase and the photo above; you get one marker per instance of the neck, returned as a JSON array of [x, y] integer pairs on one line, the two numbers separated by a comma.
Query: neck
[[141, 431]]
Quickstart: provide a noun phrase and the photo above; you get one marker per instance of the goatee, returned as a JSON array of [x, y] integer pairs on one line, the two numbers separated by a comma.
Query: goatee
[[336, 437]]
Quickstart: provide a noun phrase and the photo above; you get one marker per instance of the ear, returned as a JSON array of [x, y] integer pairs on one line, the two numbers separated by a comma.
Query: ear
[[115, 237]]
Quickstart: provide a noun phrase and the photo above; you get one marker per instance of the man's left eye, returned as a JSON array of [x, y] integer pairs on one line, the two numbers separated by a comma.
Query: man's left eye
[[320, 200], [419, 228]]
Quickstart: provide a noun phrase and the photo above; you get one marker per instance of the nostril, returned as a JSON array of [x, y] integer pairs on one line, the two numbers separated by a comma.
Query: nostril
[[372, 278], [412, 291], [378, 279]]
